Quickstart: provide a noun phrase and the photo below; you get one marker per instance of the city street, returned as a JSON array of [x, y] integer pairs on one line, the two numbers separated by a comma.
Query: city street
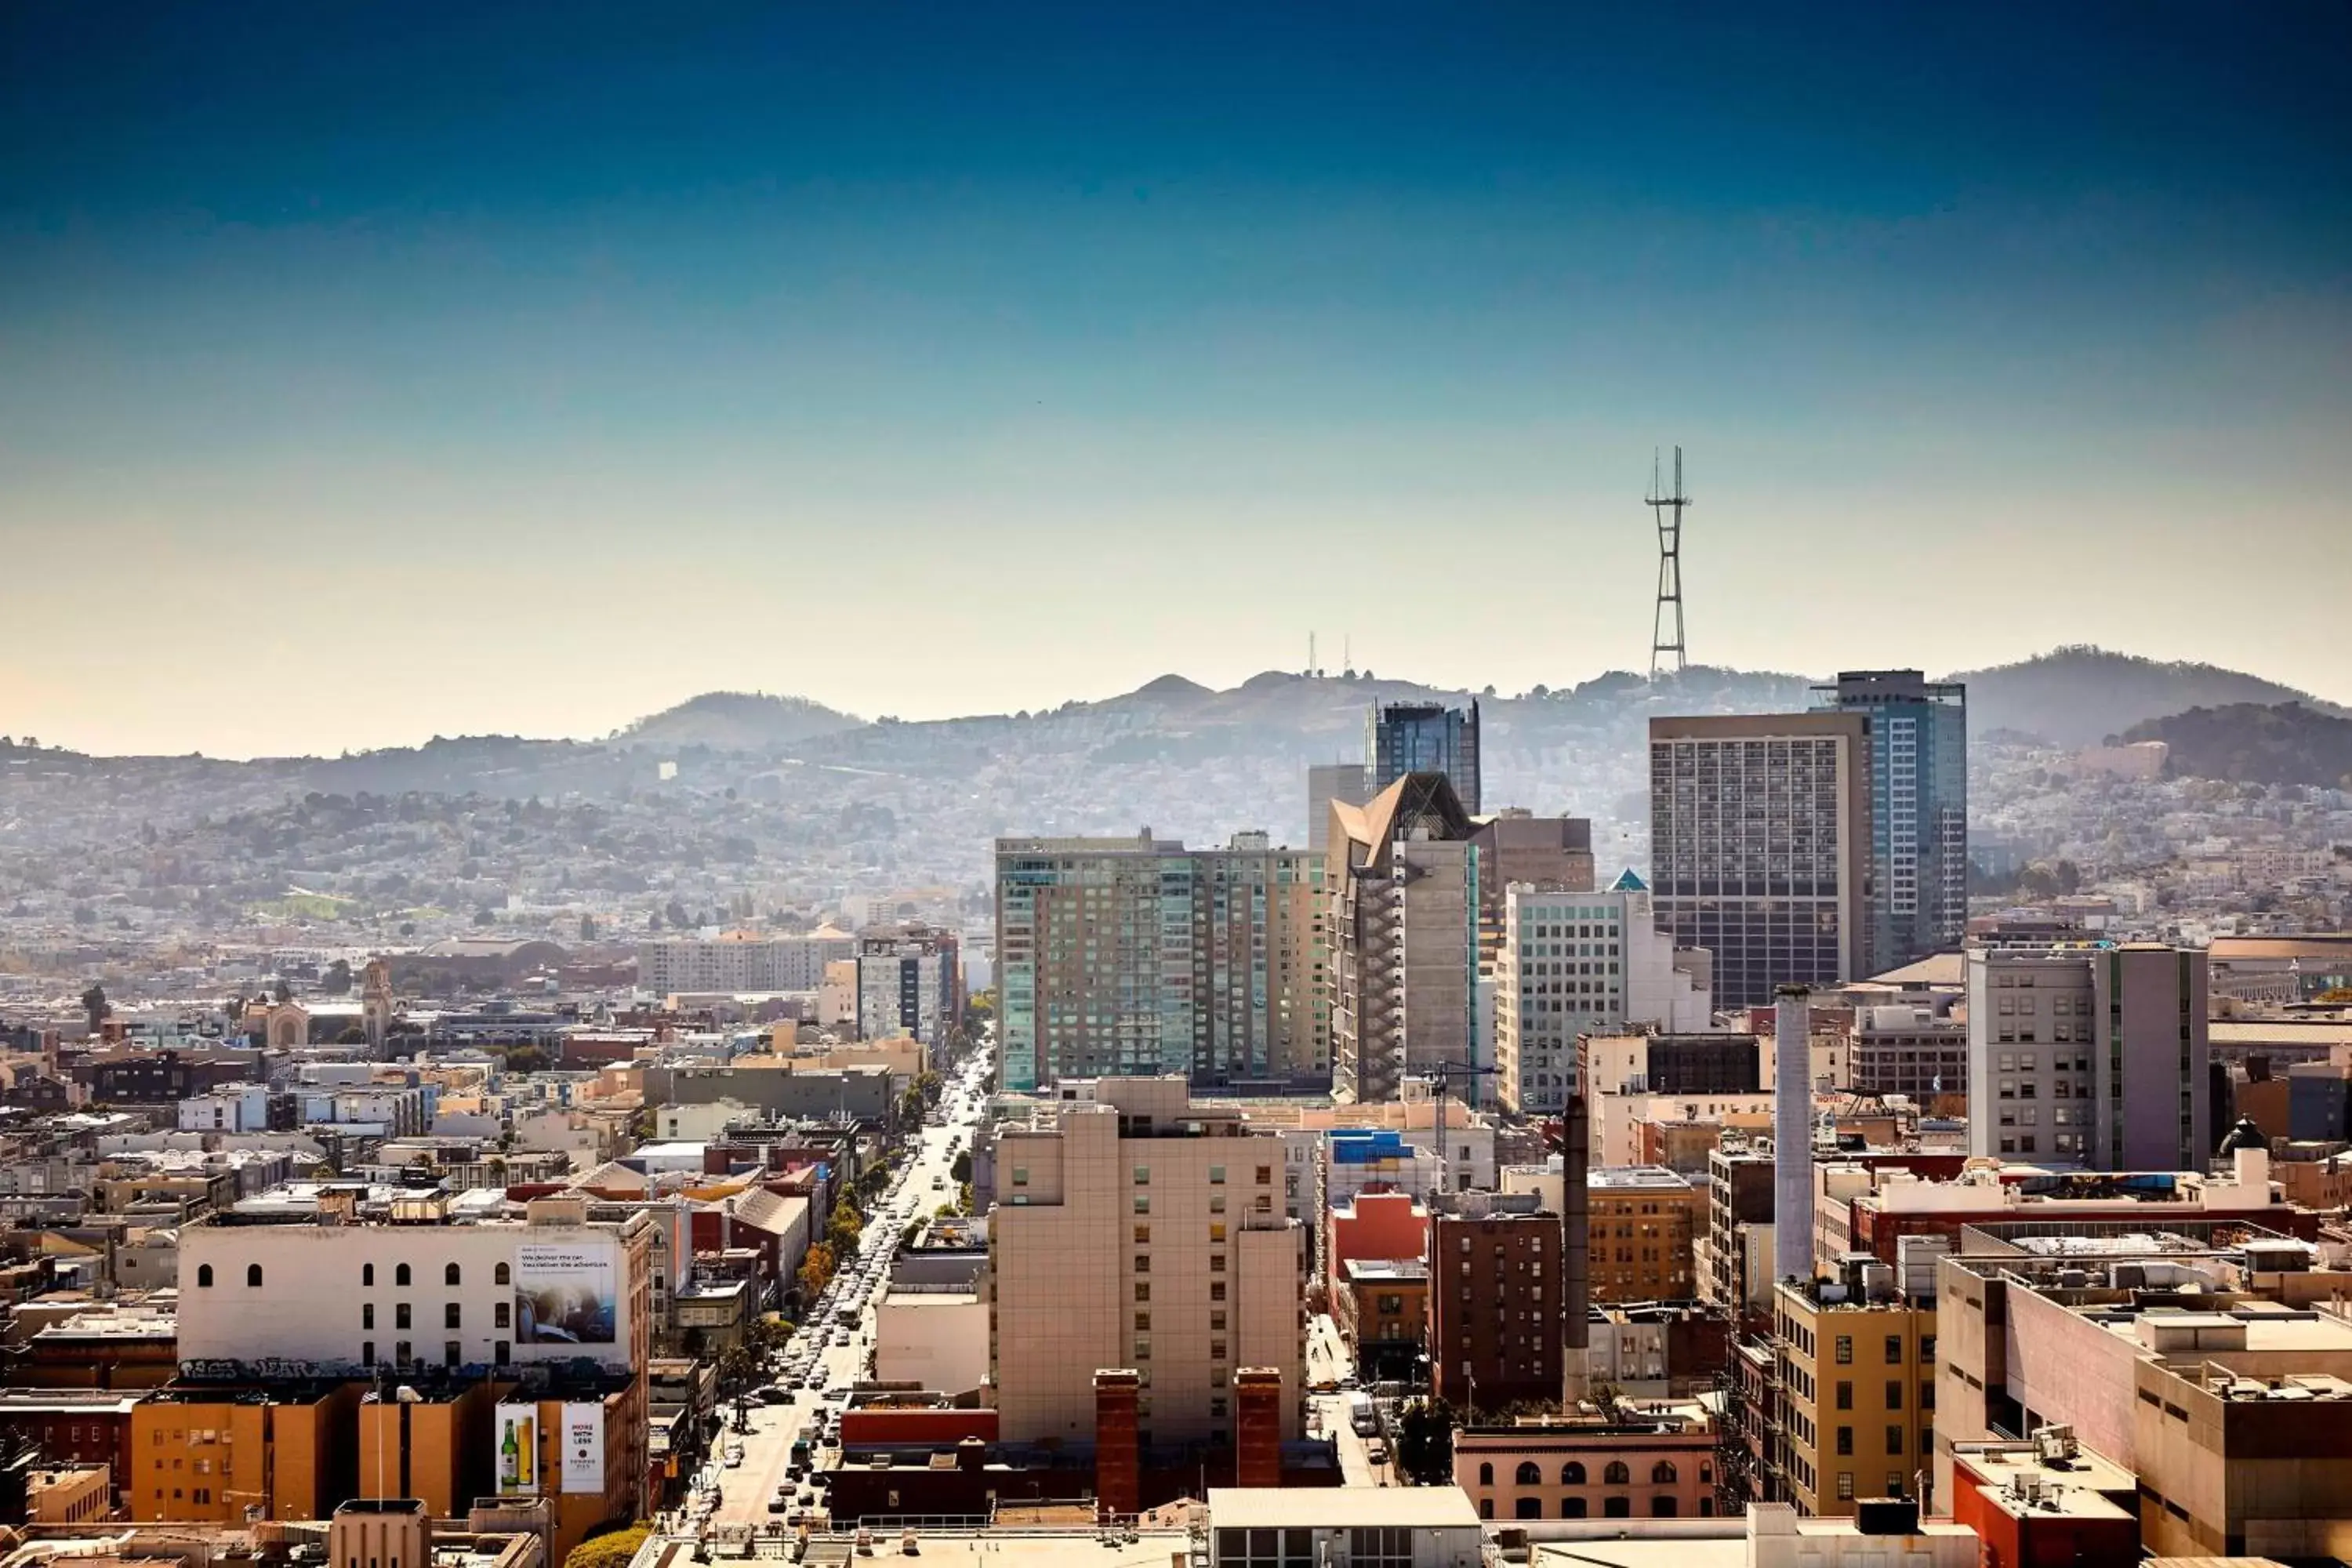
[[744, 1490]]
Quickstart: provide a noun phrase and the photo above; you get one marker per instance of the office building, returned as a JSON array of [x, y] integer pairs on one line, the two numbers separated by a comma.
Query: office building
[[1348, 783], [1545, 854], [1496, 1287], [2207, 1360], [1139, 957], [740, 961], [2094, 1057], [1760, 846], [1136, 1230], [1919, 808], [1403, 737], [1573, 965], [909, 982], [1403, 877]]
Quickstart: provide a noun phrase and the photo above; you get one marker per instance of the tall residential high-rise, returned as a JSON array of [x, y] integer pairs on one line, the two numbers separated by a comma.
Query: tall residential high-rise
[[1138, 956], [1403, 877], [1137, 1228], [1760, 846], [1573, 963], [1919, 808], [1327, 782], [1423, 738], [2090, 1055]]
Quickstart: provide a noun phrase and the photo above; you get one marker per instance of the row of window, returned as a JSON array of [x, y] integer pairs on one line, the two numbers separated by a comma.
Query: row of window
[[1662, 1507], [1571, 1474], [401, 1277]]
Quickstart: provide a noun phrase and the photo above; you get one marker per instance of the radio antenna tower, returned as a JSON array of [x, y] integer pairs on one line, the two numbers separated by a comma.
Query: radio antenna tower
[[1668, 511]]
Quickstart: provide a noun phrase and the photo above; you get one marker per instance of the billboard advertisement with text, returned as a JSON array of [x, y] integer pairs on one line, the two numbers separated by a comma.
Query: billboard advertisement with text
[[583, 1448], [566, 1294]]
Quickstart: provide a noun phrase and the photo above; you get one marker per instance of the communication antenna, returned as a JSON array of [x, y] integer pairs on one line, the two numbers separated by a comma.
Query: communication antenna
[[1667, 510], [1310, 656]]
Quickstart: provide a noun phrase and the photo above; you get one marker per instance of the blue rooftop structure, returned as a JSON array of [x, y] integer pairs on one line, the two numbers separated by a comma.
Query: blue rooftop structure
[[1629, 883]]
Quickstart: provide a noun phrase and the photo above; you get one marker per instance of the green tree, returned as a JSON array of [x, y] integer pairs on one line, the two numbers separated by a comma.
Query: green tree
[[587, 928], [95, 1006], [335, 980], [959, 1169], [284, 992], [1425, 1442]]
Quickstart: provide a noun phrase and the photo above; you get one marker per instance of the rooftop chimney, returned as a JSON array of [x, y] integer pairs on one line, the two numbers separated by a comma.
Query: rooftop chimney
[[1792, 1135]]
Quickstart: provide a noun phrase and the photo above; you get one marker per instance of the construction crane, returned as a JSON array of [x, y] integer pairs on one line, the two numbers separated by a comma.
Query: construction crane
[[1439, 1076]]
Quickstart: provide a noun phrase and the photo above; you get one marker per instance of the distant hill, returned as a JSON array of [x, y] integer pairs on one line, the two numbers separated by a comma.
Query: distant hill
[[2079, 696], [2246, 743], [739, 721]]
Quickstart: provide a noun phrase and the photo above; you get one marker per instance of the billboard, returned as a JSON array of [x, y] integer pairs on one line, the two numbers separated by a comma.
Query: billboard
[[583, 1448], [566, 1293], [518, 1449]]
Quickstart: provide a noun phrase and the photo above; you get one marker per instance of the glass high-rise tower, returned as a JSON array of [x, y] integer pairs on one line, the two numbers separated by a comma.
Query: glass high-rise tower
[[1423, 738], [1918, 808]]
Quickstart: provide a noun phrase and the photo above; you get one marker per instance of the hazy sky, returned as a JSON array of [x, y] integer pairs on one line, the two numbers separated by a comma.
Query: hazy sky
[[373, 372]]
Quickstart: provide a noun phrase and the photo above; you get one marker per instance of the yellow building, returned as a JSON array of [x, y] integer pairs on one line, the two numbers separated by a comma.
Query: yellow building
[[1643, 1222], [1857, 1387]]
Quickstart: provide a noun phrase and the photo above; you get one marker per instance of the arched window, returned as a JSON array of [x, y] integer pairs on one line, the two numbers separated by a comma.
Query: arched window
[[253, 1276], [501, 1275], [204, 1276], [367, 1274], [400, 1275], [449, 1275], [1571, 1474], [1663, 1506], [1485, 1472], [1571, 1507], [1616, 1475], [1529, 1475], [1529, 1508], [1706, 1474], [1662, 1474]]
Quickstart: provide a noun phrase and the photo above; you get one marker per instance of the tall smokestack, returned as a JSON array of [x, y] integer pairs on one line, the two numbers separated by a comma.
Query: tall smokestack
[[1792, 1135]]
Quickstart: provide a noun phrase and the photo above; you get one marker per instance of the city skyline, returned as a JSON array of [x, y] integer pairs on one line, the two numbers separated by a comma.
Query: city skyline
[[363, 380]]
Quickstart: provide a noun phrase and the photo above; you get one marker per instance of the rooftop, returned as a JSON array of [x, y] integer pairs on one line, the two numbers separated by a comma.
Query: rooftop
[[1339, 1507], [1623, 1178]]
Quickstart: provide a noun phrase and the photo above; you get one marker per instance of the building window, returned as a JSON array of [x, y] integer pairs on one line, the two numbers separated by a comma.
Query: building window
[[1571, 1507], [1143, 1203], [1528, 1508], [1142, 1291], [367, 1314], [1846, 1350], [1143, 1235], [1845, 1394], [399, 1315], [1216, 1175], [367, 1357], [1845, 1485], [1662, 1507], [1662, 1474], [253, 1276], [367, 1274], [1143, 1175], [1571, 1474], [204, 1276], [400, 1276], [500, 1314], [1894, 1439], [402, 1352], [450, 1355], [451, 1316], [504, 1354], [1616, 1475], [501, 1275], [1529, 1474], [1845, 1440], [1616, 1508], [1487, 1475], [1895, 1350], [450, 1276]]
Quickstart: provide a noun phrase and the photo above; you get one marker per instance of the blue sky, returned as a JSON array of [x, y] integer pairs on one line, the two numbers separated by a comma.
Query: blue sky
[[373, 372]]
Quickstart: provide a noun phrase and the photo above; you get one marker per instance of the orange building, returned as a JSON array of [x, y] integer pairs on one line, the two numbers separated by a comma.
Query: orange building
[[204, 1455], [1643, 1222]]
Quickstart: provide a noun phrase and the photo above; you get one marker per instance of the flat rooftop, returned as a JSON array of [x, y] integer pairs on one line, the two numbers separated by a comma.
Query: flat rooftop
[[1339, 1508]]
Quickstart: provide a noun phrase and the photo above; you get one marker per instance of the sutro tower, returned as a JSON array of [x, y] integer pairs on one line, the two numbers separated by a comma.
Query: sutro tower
[[1668, 511]]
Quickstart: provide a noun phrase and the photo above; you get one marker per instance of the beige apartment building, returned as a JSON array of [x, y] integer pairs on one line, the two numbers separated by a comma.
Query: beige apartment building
[[1134, 1230], [1403, 878], [1857, 1379]]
